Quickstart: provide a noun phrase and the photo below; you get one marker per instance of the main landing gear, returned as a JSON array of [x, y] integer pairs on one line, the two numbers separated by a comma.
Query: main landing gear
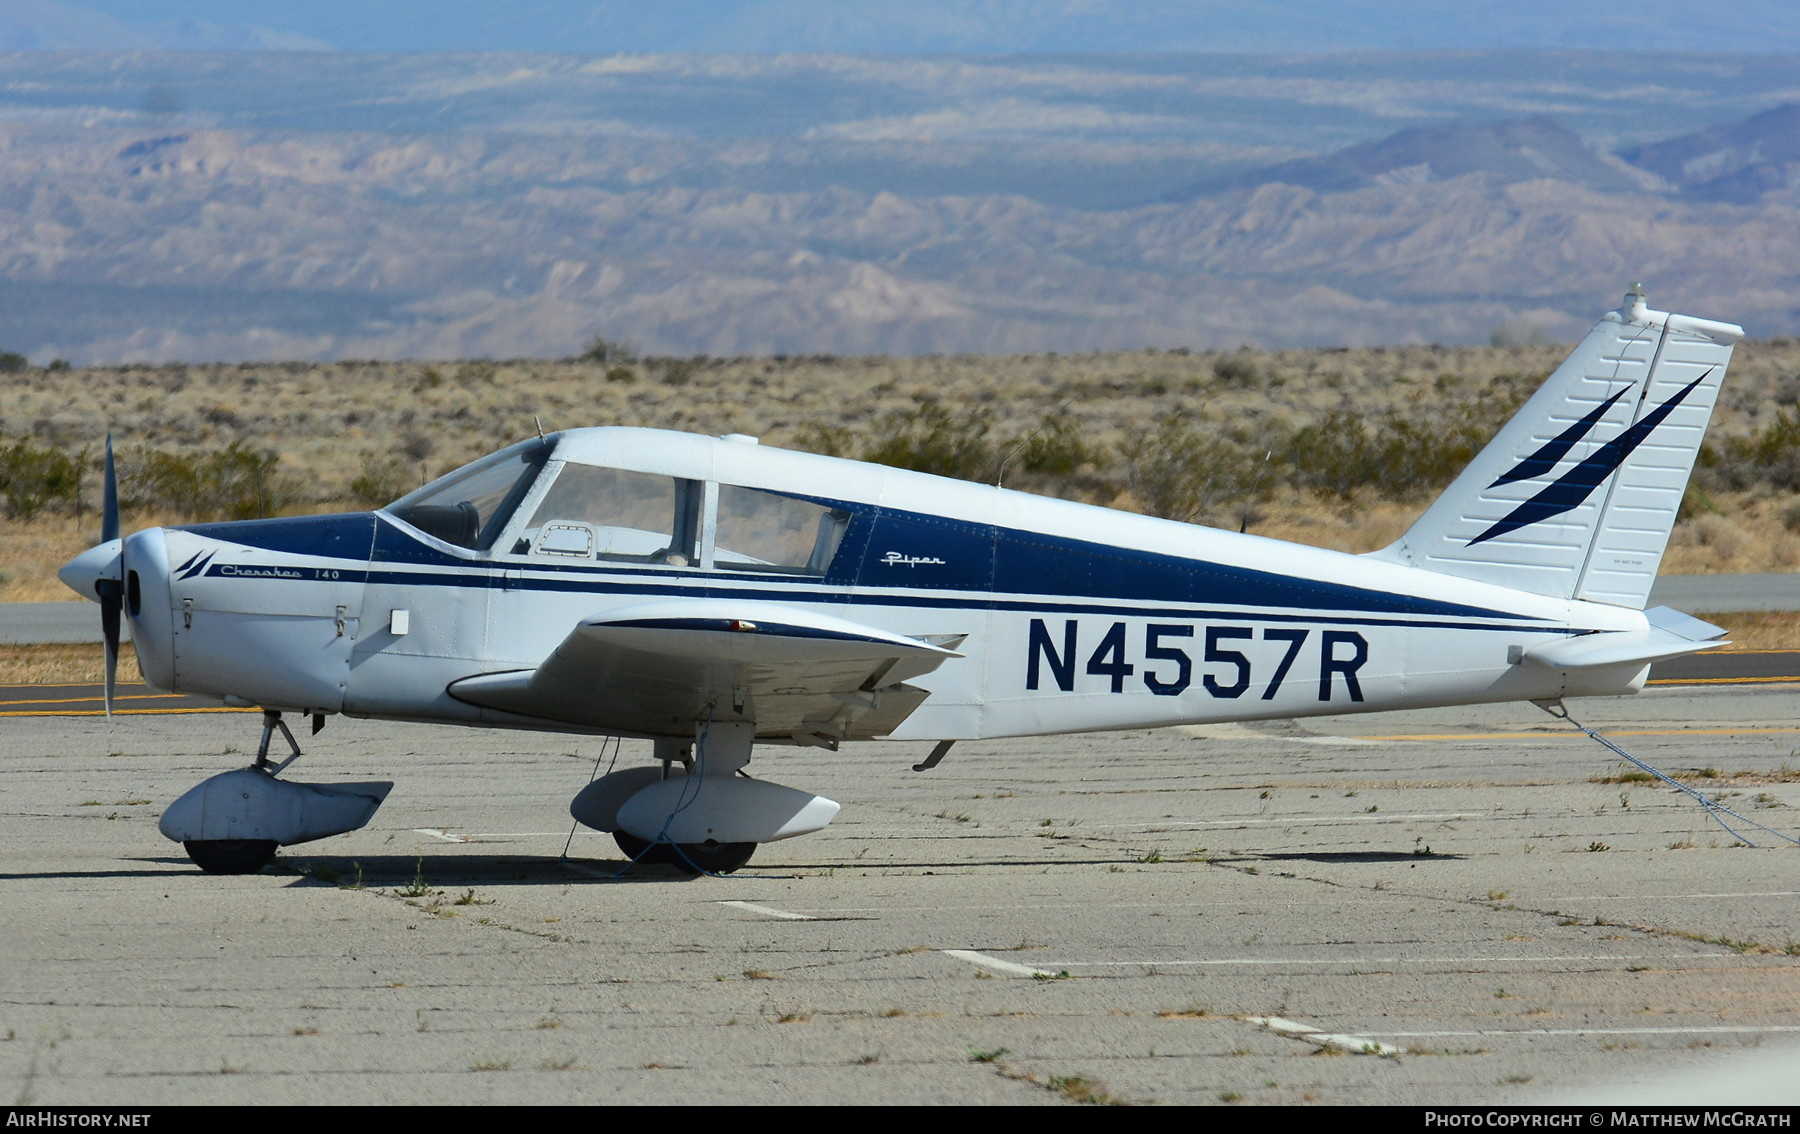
[[689, 858], [697, 812]]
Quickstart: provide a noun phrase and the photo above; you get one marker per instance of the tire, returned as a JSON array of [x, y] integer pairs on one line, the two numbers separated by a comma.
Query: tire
[[231, 856], [711, 858], [637, 850]]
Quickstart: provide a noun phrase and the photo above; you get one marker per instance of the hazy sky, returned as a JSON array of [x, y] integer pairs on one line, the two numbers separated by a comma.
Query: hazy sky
[[602, 26]]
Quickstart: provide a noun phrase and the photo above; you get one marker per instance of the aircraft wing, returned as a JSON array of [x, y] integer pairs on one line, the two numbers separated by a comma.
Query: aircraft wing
[[659, 668]]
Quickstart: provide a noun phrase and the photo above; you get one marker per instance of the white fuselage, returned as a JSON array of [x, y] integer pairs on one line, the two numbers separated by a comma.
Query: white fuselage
[[1070, 617]]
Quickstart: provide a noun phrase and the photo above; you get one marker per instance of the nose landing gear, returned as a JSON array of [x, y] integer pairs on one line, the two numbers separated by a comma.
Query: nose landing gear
[[233, 822], [230, 856]]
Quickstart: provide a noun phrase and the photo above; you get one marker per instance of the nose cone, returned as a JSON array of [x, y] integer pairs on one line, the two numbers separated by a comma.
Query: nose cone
[[101, 561]]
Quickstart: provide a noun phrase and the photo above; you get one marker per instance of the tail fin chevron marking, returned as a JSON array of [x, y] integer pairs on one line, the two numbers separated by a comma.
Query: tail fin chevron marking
[[1571, 489], [1576, 496], [1546, 458]]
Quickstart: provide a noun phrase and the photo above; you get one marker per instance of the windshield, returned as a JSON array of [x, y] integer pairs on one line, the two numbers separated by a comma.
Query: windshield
[[470, 506]]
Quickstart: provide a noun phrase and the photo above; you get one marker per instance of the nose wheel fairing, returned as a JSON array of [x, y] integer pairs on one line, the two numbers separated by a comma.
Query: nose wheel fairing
[[250, 804], [232, 823]]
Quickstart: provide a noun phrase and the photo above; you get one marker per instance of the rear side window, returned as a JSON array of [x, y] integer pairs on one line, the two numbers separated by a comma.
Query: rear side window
[[763, 531]]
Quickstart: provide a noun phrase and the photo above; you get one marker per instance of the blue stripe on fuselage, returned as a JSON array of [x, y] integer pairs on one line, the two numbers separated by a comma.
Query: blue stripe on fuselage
[[344, 535]]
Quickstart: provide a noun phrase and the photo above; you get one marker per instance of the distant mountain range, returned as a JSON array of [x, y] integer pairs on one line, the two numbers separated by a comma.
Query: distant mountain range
[[1739, 161], [1523, 149], [230, 206]]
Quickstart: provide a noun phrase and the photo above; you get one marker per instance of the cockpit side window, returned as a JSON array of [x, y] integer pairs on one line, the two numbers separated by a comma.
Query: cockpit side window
[[617, 514], [470, 506], [764, 531]]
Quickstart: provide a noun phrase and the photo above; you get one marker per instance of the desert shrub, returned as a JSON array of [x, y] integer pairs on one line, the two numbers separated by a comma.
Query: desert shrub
[[1333, 456], [1785, 552], [1056, 448], [1771, 456], [1179, 474], [1235, 370], [929, 438], [1422, 454], [479, 372], [1403, 455], [38, 478], [1717, 533], [11, 362], [418, 445], [234, 483], [1696, 501], [608, 351], [817, 437], [382, 480], [676, 371]]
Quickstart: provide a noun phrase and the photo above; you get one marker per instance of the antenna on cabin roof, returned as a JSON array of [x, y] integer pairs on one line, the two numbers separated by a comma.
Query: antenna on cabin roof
[[540, 426]]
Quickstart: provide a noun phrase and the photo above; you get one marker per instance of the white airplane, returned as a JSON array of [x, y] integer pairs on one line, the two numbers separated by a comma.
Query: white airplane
[[712, 594]]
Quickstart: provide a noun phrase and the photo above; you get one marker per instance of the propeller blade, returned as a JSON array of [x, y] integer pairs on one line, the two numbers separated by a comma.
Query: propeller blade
[[110, 602], [109, 501], [100, 572], [111, 591]]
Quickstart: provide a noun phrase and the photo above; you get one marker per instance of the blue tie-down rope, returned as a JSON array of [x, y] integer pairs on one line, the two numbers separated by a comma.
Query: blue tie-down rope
[[690, 791], [1708, 804]]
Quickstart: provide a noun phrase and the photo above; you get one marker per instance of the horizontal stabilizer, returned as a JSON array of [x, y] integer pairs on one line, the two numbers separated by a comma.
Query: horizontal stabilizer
[[1670, 634]]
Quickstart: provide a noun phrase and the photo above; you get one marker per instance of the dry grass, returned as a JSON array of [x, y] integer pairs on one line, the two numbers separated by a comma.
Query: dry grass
[[64, 665], [31, 553], [1759, 629]]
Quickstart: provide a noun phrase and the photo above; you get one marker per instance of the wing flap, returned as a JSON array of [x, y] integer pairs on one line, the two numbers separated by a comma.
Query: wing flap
[[658, 668]]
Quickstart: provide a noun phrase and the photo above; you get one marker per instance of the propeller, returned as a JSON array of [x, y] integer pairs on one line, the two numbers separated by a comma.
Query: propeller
[[100, 572], [111, 591]]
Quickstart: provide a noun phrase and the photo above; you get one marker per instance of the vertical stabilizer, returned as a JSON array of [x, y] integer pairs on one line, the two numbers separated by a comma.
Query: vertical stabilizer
[[1576, 495]]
